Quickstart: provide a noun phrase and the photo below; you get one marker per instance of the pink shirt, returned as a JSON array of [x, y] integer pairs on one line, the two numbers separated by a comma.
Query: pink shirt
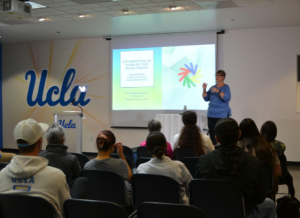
[[169, 149]]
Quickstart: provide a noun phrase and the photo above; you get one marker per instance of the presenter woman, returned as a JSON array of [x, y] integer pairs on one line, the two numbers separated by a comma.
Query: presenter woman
[[219, 96]]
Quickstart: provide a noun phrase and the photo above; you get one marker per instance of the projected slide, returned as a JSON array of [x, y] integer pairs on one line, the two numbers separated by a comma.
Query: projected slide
[[162, 78]]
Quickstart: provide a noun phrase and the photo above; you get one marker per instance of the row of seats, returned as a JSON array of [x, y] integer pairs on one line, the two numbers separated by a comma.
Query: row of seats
[[207, 195], [14, 206]]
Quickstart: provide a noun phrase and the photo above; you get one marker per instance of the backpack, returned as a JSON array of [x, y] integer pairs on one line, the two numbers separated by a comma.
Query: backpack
[[288, 207]]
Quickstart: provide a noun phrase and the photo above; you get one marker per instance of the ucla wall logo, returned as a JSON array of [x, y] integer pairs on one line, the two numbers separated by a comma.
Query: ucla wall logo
[[69, 125], [54, 90]]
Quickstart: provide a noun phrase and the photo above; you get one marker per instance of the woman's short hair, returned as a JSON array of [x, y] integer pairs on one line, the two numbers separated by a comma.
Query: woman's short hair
[[156, 144], [154, 125], [103, 144], [221, 72], [55, 134], [268, 131]]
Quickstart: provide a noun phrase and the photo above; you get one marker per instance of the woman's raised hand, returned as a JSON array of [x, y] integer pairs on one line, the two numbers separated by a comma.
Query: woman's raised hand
[[204, 85]]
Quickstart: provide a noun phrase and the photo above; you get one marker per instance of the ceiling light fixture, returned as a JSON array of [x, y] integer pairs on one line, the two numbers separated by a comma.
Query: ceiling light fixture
[[41, 19], [81, 15], [35, 5], [172, 7], [125, 11]]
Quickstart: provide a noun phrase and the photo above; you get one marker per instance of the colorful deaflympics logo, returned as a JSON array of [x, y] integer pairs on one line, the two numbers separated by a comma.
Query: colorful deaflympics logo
[[190, 80]]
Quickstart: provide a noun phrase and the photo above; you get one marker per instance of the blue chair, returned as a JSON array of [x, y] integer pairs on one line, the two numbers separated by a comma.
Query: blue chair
[[3, 165], [143, 152], [14, 206], [141, 160], [190, 163], [127, 153], [127, 159], [82, 159], [217, 199], [76, 208], [181, 153]]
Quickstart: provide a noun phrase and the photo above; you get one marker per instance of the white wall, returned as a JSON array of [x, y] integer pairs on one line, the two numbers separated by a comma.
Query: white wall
[[261, 67]]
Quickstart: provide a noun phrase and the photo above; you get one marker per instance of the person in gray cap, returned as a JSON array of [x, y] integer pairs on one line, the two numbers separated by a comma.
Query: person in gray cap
[[56, 152], [30, 174]]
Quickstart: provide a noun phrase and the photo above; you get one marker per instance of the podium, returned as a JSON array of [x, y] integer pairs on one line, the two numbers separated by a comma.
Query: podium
[[72, 122]]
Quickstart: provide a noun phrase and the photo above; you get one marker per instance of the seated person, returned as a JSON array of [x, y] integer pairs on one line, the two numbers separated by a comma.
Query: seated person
[[155, 125], [6, 157], [269, 132], [161, 165], [252, 142], [30, 170], [106, 142], [191, 136], [56, 152], [231, 163]]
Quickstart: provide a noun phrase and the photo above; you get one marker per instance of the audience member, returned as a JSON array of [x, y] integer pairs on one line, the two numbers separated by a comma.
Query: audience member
[[231, 163], [106, 142], [56, 152], [29, 174], [155, 125], [252, 142], [6, 157], [161, 165], [269, 132], [191, 136]]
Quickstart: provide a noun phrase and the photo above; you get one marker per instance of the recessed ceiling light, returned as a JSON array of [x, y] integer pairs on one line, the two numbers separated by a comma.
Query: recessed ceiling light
[[172, 7], [41, 19], [35, 5], [125, 11], [81, 15]]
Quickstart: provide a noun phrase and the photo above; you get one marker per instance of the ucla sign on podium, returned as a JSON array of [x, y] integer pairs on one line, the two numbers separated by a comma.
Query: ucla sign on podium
[[72, 122]]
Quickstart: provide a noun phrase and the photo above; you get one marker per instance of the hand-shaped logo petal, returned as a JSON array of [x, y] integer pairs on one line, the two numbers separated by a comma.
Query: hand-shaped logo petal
[[186, 79]]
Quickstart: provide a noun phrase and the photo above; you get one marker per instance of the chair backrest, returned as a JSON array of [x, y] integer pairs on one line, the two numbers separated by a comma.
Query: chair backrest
[[106, 186], [82, 159], [217, 198], [181, 153], [268, 176], [154, 188], [3, 165], [67, 174], [77, 208], [25, 206], [127, 153], [283, 164], [190, 163], [142, 152], [162, 210], [141, 160], [127, 159]]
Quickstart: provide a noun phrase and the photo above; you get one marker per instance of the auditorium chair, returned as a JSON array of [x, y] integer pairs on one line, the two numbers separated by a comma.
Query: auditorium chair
[[106, 186], [143, 152], [127, 153], [180, 153], [82, 159], [127, 159], [154, 188], [76, 208], [163, 210], [14, 206], [217, 198], [3, 165], [141, 160], [268, 177], [190, 163]]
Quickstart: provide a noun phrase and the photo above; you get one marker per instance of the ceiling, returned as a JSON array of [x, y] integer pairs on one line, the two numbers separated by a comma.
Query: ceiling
[[147, 17]]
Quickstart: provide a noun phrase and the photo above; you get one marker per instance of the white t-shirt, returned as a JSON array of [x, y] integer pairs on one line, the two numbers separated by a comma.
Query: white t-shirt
[[206, 140]]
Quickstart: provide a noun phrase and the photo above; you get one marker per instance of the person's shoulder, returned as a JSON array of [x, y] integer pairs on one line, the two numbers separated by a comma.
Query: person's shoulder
[[90, 163], [53, 172], [205, 137], [43, 153]]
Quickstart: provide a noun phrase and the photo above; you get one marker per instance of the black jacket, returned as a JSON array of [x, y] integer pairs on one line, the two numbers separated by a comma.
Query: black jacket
[[219, 163], [58, 157]]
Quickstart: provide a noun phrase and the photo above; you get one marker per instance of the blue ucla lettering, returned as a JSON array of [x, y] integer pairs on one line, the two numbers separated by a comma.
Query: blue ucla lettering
[[54, 90], [31, 180], [69, 125], [20, 181], [13, 179]]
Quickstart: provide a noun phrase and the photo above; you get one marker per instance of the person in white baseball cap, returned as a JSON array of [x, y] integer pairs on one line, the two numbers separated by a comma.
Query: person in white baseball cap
[[29, 174]]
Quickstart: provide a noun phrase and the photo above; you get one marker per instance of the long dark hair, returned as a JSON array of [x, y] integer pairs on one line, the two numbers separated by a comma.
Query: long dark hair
[[156, 144], [253, 143], [190, 135], [269, 131]]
